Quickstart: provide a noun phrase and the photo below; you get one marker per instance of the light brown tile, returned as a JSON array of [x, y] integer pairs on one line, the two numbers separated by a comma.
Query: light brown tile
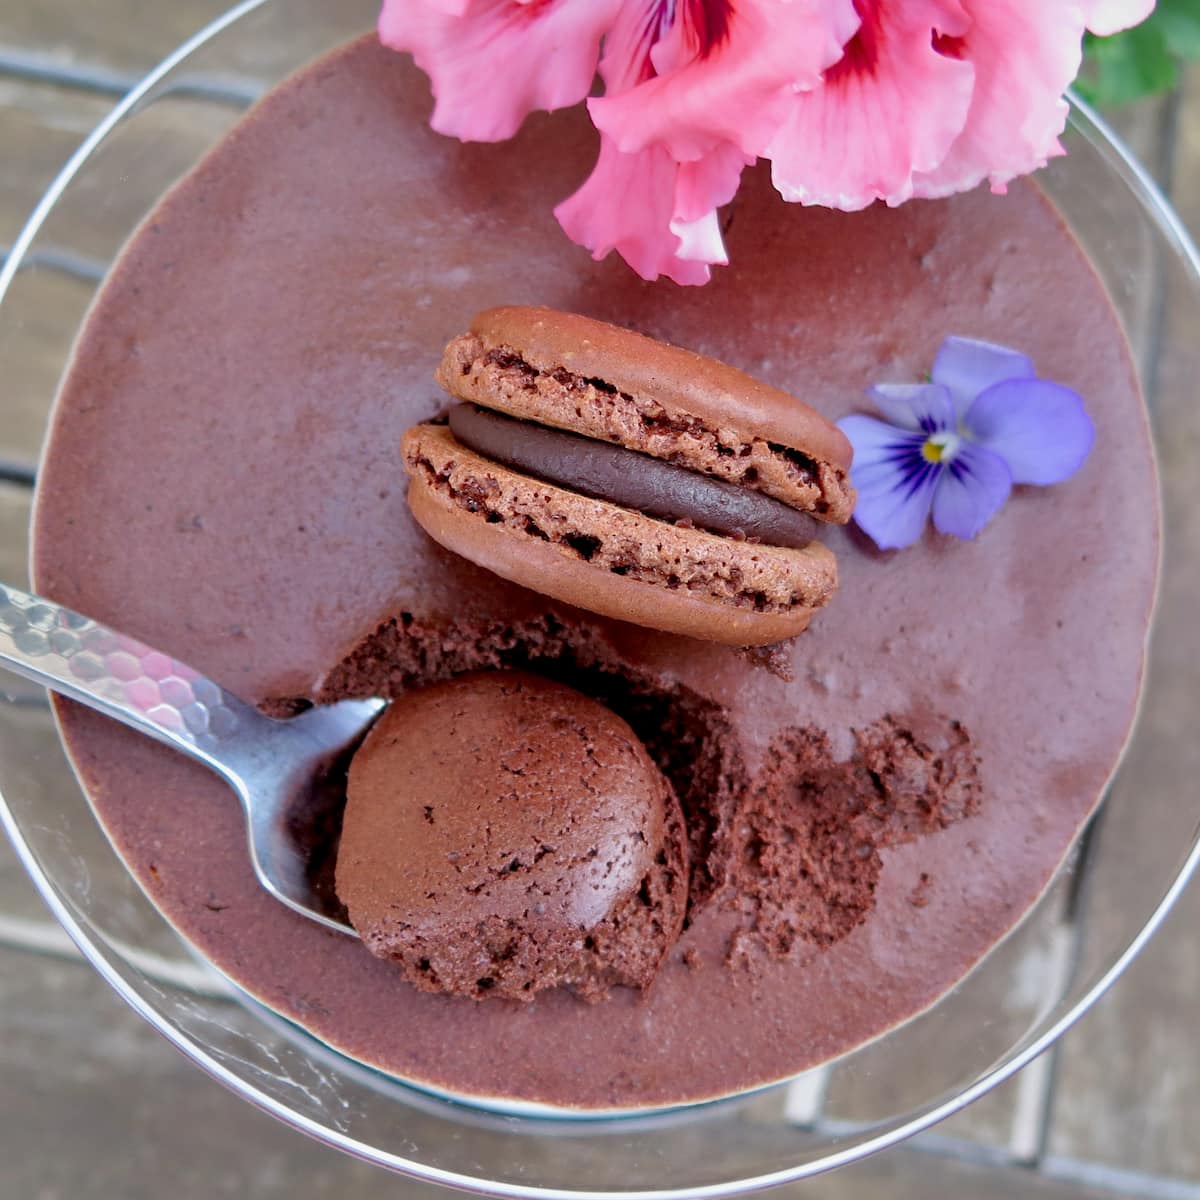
[[14, 530], [1130, 1072], [990, 1121], [40, 126], [1143, 128], [126, 176], [24, 918], [40, 317], [129, 35]]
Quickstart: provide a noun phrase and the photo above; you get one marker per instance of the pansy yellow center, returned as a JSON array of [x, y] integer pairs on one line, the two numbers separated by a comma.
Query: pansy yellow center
[[940, 447]]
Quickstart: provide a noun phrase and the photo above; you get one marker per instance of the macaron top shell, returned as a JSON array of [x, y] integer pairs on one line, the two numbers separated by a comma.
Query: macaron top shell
[[680, 405]]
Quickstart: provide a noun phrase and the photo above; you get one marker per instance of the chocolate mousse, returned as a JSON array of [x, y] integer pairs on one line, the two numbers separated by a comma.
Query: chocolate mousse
[[503, 835], [222, 480]]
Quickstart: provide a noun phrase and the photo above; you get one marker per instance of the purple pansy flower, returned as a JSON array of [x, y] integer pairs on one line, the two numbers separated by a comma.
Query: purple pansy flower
[[955, 446]]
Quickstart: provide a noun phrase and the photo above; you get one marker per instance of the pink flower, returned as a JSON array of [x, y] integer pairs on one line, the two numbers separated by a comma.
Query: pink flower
[[492, 62], [934, 97], [852, 100], [723, 72], [890, 108]]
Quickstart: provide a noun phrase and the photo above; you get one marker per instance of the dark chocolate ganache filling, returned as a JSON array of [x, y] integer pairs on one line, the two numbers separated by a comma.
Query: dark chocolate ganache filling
[[625, 477]]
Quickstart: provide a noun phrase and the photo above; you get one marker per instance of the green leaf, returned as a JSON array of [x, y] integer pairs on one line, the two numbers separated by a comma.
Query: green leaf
[[1128, 66], [1179, 21], [1142, 60]]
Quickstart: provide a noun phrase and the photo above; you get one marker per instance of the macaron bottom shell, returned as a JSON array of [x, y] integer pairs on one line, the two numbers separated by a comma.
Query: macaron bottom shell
[[611, 560]]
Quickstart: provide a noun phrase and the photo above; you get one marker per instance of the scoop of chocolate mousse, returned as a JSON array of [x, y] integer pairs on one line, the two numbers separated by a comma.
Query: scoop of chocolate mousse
[[504, 834]]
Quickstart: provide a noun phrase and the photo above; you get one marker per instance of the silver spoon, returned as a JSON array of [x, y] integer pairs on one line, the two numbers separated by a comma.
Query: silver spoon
[[277, 768]]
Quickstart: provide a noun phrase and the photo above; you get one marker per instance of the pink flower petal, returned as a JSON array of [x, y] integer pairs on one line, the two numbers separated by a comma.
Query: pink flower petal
[[626, 61], [891, 107], [700, 241], [492, 62], [723, 72], [709, 182], [658, 215], [1025, 54], [626, 205], [1104, 17]]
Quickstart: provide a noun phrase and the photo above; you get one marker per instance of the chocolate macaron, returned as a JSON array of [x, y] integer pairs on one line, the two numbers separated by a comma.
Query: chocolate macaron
[[631, 478]]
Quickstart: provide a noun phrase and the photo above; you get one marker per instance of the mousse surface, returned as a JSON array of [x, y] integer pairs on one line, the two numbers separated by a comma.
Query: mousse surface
[[222, 481], [504, 834]]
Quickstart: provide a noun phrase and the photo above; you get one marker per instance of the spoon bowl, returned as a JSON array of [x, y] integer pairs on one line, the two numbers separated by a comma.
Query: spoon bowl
[[289, 775]]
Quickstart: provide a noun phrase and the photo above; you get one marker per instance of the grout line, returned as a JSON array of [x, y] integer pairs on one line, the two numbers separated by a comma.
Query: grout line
[[964, 1150], [1168, 155], [17, 473], [1168, 132], [1118, 1180], [1033, 1107], [1034, 1087], [1080, 871], [39, 68], [39, 937], [86, 77], [60, 258], [804, 1099], [49, 938], [1030, 1127], [1036, 1102]]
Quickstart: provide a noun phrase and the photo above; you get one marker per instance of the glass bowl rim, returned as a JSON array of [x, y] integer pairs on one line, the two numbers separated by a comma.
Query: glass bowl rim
[[1126, 167]]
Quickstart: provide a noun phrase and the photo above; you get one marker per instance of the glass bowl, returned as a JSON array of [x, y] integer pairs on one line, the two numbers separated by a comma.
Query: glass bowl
[[1106, 901]]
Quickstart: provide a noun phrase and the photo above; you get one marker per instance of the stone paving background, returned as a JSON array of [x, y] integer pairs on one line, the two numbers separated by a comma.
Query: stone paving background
[[94, 1106]]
